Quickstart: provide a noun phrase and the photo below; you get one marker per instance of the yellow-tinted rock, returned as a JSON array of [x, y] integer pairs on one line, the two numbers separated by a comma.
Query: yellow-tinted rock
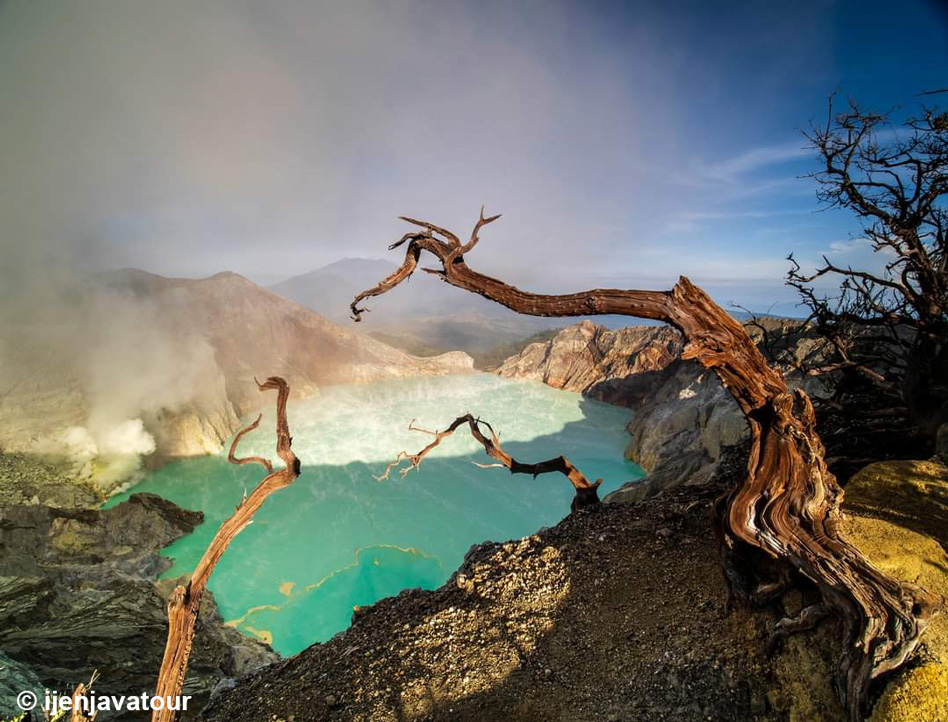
[[900, 522], [911, 494]]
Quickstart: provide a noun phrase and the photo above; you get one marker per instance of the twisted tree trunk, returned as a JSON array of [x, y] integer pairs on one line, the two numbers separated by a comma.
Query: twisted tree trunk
[[783, 517], [185, 602]]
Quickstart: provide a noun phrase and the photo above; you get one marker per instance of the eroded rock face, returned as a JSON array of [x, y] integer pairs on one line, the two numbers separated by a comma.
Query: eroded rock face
[[595, 361], [78, 593], [684, 423], [680, 430], [683, 418]]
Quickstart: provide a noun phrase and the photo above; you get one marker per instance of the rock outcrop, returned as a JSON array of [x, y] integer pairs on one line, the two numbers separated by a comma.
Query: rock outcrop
[[680, 430], [900, 520], [593, 360], [897, 514], [78, 593], [683, 418], [28, 479]]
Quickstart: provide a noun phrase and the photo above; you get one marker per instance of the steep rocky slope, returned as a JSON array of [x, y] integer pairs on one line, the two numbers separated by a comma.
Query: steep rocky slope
[[617, 613]]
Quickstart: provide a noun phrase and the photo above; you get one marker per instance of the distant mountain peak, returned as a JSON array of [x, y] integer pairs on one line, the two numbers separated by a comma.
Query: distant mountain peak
[[356, 263]]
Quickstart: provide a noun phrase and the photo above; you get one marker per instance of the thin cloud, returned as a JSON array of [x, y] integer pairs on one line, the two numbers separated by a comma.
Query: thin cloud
[[755, 159], [188, 138]]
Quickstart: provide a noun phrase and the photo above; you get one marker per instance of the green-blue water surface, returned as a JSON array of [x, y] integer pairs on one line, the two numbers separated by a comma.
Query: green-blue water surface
[[338, 538]]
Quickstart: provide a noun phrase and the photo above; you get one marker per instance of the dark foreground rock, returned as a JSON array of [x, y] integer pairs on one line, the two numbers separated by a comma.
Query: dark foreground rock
[[78, 593]]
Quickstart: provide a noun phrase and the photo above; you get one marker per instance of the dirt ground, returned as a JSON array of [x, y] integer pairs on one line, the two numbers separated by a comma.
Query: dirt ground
[[614, 614]]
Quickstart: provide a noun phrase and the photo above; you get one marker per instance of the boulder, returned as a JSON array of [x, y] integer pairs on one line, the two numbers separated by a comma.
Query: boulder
[[16, 677]]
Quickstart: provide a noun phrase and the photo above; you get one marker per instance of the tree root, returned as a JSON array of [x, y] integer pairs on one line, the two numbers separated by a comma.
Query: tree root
[[806, 619]]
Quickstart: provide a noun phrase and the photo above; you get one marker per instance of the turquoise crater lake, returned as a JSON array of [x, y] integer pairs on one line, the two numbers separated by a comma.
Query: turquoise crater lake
[[338, 538]]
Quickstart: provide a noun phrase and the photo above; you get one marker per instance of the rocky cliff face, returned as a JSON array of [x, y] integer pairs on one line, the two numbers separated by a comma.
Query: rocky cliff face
[[78, 593], [683, 418], [595, 361], [682, 425]]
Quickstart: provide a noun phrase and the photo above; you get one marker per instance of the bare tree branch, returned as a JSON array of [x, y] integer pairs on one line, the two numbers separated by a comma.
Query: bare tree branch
[[232, 458], [895, 179], [185, 601], [586, 493]]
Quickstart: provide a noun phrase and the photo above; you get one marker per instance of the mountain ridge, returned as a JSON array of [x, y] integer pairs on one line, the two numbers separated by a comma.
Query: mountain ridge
[[175, 359]]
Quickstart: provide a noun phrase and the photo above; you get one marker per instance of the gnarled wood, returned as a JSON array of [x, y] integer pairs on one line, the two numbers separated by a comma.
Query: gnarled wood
[[586, 492], [232, 457], [185, 602], [785, 511]]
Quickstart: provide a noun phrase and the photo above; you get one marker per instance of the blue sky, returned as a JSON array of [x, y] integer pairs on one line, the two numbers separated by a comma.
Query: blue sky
[[625, 143]]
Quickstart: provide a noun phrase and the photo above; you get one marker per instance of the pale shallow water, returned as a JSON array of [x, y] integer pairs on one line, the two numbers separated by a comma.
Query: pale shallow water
[[339, 538]]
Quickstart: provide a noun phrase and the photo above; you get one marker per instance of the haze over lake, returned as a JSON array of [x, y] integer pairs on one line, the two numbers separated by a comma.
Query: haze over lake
[[339, 538]]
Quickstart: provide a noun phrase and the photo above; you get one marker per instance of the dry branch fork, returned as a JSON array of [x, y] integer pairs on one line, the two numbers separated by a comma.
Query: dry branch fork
[[587, 493]]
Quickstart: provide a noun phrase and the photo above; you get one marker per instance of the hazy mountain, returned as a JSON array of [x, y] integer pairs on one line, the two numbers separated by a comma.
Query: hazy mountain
[[256, 332], [142, 363], [329, 291], [422, 315]]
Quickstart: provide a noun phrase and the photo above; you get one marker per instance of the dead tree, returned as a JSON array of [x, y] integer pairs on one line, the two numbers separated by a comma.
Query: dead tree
[[783, 517], [888, 329], [185, 602], [587, 493]]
